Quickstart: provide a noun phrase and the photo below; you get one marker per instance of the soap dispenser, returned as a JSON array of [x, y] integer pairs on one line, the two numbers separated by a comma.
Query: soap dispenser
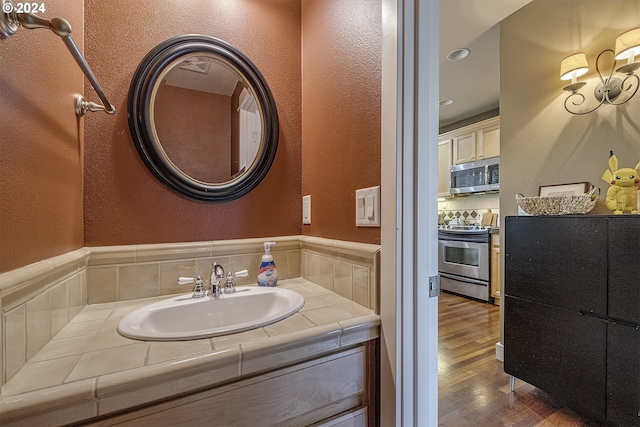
[[267, 274]]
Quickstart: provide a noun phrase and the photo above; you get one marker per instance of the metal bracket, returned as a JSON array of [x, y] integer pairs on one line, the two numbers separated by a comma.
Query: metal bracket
[[11, 20], [434, 286]]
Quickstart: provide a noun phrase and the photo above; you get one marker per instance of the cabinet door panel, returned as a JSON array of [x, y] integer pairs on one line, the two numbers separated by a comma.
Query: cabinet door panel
[[489, 142], [495, 272], [557, 260], [444, 167], [623, 374], [464, 148], [624, 268], [558, 351]]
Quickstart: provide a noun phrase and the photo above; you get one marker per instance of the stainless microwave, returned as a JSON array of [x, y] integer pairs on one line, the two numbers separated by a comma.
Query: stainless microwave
[[476, 177]]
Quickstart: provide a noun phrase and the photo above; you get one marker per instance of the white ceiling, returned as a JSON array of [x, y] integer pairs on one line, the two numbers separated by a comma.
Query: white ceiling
[[473, 82]]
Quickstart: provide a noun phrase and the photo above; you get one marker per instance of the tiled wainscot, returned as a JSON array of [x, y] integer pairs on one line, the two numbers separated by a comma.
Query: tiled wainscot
[[64, 361]]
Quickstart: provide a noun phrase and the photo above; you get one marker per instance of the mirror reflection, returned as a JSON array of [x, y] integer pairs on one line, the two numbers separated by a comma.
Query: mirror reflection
[[206, 118], [203, 118]]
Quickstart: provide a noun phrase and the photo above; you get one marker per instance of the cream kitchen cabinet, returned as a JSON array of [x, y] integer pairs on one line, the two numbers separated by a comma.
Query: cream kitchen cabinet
[[444, 165], [466, 144], [475, 142], [495, 268]]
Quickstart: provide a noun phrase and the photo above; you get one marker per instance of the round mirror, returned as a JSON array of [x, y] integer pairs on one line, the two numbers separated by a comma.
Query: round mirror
[[203, 118]]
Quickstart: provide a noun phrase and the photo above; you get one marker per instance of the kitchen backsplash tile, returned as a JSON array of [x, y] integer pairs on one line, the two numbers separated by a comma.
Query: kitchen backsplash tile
[[469, 216]]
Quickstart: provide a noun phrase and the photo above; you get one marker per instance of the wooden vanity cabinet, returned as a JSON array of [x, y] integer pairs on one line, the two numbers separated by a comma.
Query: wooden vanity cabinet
[[572, 297], [335, 389]]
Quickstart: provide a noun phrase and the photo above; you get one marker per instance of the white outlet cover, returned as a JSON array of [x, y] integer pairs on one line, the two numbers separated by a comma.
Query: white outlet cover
[[368, 207], [306, 209]]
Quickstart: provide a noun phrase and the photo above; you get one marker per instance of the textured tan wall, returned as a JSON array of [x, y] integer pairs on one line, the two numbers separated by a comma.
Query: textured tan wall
[[124, 203], [540, 142], [42, 147], [183, 121], [341, 112], [40, 142]]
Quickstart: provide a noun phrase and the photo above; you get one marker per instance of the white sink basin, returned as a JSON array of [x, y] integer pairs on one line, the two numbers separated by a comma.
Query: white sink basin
[[187, 318]]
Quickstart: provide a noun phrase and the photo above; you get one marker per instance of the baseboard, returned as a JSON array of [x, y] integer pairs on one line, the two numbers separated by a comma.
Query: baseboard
[[500, 351]]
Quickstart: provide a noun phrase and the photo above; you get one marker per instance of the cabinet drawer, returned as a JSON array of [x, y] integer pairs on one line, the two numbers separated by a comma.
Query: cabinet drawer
[[557, 260], [299, 395], [557, 350]]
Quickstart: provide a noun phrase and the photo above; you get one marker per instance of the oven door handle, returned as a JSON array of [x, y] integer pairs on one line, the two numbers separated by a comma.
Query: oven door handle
[[463, 279]]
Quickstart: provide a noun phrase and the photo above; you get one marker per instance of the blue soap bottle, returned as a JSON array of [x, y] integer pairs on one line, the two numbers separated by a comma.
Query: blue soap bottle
[[267, 274]]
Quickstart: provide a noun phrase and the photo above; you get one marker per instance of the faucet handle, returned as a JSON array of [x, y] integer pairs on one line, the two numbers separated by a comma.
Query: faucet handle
[[241, 273], [198, 289], [229, 285]]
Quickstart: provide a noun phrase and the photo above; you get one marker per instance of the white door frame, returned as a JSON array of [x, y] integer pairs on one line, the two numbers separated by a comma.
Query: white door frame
[[416, 237]]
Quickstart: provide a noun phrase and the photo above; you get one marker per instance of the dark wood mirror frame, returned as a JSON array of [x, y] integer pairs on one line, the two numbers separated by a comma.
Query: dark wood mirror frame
[[141, 94]]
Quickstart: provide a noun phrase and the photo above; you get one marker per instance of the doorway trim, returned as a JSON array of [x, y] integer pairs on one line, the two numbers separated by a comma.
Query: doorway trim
[[409, 238]]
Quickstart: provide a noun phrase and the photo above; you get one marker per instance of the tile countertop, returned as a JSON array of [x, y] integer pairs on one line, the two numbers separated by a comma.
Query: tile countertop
[[88, 369]]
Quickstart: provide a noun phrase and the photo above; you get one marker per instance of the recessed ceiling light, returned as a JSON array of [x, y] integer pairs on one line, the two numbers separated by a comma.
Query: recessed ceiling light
[[446, 102], [458, 54]]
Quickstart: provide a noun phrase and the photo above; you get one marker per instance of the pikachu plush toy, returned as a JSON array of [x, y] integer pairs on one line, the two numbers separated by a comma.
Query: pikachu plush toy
[[623, 194]]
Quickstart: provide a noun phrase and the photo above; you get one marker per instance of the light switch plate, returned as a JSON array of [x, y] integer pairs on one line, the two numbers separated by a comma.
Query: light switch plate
[[368, 207], [306, 209]]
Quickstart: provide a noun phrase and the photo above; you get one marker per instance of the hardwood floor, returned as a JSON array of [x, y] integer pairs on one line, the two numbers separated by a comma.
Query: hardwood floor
[[473, 388]]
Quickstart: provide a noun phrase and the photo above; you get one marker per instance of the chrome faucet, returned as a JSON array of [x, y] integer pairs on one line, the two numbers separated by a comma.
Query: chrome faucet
[[216, 287], [229, 285], [217, 275], [198, 288]]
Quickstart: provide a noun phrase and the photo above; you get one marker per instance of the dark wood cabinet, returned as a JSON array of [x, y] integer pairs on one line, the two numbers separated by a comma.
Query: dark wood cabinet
[[624, 269], [572, 311], [557, 260], [623, 374], [559, 351]]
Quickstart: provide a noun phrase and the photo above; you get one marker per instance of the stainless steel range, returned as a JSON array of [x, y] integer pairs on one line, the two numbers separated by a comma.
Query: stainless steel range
[[463, 260]]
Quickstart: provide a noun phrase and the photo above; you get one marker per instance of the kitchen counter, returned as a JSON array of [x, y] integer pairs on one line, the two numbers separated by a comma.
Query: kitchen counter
[[88, 369]]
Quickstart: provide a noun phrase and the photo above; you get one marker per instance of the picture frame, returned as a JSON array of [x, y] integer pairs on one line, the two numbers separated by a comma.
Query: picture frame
[[557, 190]]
